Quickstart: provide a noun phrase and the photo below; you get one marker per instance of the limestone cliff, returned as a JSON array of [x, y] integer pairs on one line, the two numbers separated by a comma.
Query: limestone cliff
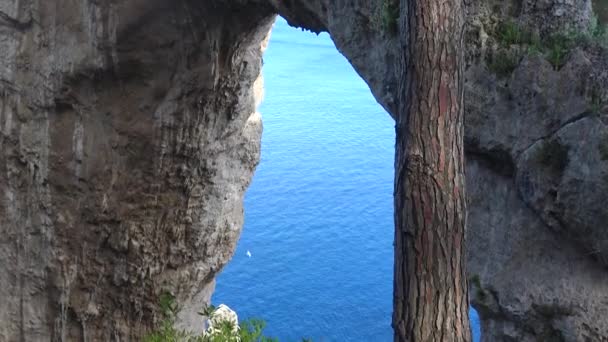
[[536, 148], [128, 134]]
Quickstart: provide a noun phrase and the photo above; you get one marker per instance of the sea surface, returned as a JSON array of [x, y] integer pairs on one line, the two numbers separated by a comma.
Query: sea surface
[[319, 213]]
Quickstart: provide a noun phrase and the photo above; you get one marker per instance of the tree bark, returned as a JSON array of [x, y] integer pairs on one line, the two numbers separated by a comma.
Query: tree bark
[[430, 291]]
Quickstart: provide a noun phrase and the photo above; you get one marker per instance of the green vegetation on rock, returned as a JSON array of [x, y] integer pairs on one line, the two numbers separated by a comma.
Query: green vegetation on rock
[[514, 42], [503, 62], [509, 33], [558, 48], [222, 328], [600, 7], [390, 16]]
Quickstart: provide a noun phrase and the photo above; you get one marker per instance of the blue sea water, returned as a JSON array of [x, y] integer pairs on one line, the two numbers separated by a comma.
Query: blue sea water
[[319, 213]]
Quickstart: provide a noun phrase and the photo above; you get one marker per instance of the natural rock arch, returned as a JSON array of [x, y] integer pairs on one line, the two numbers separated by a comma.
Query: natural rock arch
[[129, 134]]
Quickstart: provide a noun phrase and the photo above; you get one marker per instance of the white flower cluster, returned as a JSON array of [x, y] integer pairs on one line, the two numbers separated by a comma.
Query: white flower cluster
[[220, 318]]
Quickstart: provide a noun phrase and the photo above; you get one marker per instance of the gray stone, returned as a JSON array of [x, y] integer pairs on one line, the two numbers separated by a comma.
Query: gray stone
[[128, 137], [528, 282], [129, 133]]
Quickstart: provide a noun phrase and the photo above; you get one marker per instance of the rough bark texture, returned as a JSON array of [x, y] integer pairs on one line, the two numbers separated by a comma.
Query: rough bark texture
[[431, 300], [128, 135]]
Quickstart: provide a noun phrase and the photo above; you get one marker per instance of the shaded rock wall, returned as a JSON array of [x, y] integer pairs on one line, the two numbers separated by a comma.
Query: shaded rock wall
[[128, 135], [536, 143]]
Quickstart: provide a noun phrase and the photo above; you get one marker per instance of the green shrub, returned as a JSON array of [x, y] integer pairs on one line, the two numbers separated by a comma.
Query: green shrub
[[559, 45], [390, 16], [167, 304], [503, 62], [505, 58], [535, 47], [558, 49], [600, 7], [251, 330], [598, 32], [555, 48], [510, 33], [166, 332]]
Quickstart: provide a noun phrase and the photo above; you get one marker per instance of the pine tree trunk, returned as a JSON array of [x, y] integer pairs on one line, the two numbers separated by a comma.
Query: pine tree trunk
[[430, 291]]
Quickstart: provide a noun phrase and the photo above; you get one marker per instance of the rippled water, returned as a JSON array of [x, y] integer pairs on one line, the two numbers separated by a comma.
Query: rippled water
[[319, 213]]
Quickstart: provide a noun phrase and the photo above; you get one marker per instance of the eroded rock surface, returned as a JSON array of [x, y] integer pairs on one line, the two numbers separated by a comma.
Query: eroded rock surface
[[128, 134], [536, 146], [528, 283]]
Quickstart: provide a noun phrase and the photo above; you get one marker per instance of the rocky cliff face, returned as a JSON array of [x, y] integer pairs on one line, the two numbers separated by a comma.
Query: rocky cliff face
[[536, 144], [128, 134]]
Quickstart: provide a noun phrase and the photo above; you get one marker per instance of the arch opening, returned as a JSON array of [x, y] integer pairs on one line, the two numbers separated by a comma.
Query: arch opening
[[315, 258]]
